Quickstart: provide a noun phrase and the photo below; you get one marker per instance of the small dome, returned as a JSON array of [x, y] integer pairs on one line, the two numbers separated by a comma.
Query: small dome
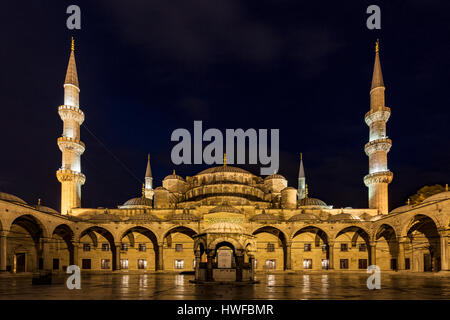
[[366, 217], [402, 208], [138, 202], [225, 208], [303, 217], [275, 176], [104, 218], [438, 197], [225, 227], [11, 198], [224, 169], [311, 202], [343, 217], [46, 209], [265, 218], [183, 217], [173, 176], [144, 217]]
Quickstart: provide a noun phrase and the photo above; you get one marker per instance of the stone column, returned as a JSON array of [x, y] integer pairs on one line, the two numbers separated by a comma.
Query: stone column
[[444, 251], [373, 253], [3, 251], [197, 266], [331, 255], [117, 258], [160, 262], [251, 260], [209, 266], [46, 257], [401, 254], [75, 254], [288, 255], [239, 265]]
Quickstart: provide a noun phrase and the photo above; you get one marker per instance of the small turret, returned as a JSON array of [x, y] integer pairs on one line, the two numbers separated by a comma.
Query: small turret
[[301, 180], [148, 186]]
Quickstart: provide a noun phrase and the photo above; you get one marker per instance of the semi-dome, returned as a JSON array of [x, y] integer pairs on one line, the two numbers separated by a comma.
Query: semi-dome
[[311, 202], [46, 209], [183, 217], [138, 202], [343, 217], [265, 218], [225, 227], [438, 197], [224, 169], [275, 176], [303, 217], [224, 207], [11, 198]]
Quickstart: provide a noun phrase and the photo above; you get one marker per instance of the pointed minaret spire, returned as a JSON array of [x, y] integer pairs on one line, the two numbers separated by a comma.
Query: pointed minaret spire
[[71, 74], [377, 76], [301, 191], [148, 186], [148, 172], [379, 144]]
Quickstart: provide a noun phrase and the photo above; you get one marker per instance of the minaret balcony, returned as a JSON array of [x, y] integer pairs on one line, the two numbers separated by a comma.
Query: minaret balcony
[[67, 112], [378, 177], [70, 175], [383, 144], [382, 114], [75, 145]]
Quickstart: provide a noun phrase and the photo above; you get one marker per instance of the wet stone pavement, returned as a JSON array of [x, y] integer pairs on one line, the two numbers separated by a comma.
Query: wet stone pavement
[[276, 286]]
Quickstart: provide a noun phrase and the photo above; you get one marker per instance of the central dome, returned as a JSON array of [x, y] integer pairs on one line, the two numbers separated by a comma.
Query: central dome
[[224, 169]]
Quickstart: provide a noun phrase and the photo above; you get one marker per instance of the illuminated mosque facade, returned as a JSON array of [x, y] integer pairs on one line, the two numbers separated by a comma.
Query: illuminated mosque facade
[[224, 223]]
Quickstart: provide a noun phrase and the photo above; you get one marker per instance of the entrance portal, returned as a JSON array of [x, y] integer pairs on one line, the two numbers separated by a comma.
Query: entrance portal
[[20, 262], [229, 254]]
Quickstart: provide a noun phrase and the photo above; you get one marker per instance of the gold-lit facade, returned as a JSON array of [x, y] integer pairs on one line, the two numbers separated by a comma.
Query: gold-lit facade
[[184, 222]]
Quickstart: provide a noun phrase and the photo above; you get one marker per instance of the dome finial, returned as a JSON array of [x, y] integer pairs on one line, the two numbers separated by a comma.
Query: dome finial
[[224, 159], [377, 46], [173, 172], [72, 47], [446, 187], [306, 191], [39, 201], [143, 190], [409, 201]]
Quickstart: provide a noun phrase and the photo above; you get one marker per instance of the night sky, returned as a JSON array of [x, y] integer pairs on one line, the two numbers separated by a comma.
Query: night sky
[[147, 68]]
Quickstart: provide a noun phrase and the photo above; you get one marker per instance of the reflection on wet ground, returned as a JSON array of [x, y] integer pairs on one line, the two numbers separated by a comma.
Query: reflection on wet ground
[[275, 286]]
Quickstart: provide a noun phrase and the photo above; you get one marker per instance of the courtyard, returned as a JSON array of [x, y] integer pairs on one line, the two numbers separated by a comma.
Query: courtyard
[[286, 286]]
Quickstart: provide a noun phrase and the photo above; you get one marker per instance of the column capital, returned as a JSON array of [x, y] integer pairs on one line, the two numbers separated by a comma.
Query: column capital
[[4, 233]]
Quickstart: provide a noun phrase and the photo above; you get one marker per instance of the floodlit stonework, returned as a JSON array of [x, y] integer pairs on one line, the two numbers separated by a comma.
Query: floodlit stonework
[[186, 223]]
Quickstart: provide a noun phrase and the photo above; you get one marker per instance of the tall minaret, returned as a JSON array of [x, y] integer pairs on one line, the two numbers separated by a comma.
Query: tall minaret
[[148, 187], [301, 190], [379, 145], [69, 143]]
